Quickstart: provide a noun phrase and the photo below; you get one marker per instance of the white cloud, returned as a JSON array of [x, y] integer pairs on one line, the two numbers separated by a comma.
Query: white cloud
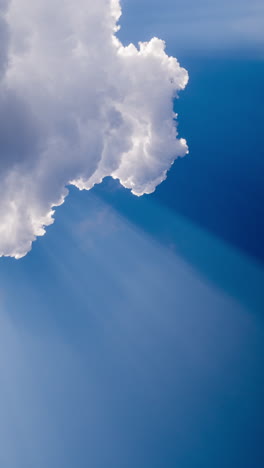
[[76, 106]]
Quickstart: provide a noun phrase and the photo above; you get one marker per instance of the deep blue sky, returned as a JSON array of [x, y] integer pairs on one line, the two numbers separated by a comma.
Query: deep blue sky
[[132, 334]]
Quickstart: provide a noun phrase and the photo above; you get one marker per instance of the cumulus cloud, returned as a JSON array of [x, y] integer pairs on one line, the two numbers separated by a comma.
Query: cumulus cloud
[[77, 106]]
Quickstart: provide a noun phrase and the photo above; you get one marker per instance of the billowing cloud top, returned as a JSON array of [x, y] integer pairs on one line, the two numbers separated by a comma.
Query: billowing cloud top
[[76, 106]]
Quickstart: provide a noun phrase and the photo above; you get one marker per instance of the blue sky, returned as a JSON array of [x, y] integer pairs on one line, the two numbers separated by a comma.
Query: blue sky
[[132, 333], [198, 26]]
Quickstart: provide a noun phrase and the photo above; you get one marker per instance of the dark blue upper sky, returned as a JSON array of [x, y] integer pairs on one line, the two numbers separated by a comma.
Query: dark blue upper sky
[[132, 334]]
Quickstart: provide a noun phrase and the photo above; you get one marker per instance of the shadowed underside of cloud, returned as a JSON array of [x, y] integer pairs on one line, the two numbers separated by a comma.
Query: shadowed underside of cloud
[[77, 106]]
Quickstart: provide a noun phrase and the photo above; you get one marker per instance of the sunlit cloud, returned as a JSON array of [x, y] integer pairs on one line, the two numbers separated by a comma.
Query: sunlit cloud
[[77, 106]]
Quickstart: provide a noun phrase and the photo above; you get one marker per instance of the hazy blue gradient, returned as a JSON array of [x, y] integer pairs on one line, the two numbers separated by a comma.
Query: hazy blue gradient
[[116, 352], [198, 26]]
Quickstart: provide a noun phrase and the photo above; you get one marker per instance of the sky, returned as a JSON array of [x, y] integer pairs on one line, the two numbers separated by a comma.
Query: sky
[[199, 26], [132, 331]]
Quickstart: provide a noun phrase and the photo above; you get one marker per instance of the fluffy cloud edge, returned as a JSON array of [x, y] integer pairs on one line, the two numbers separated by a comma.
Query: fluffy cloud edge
[[132, 135]]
